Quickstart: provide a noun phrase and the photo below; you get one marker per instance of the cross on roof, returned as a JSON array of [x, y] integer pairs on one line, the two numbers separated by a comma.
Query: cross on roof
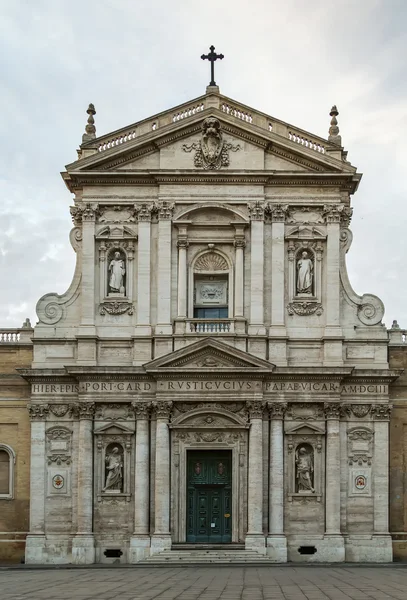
[[212, 56]]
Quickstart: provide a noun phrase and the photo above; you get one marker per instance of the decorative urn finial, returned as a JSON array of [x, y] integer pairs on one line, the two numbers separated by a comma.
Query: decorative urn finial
[[334, 136], [90, 128]]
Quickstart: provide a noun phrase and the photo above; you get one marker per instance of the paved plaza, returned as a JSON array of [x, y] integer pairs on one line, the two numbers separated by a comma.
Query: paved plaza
[[206, 583]]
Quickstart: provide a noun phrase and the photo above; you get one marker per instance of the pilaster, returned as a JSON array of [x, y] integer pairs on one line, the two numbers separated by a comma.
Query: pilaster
[[83, 545], [333, 330], [144, 211], [161, 538], [164, 327], [383, 551], [255, 539], [277, 331], [36, 541], [333, 484], [276, 540], [256, 326], [140, 540]]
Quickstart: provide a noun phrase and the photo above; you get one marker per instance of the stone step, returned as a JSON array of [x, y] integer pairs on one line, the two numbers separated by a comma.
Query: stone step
[[172, 557]]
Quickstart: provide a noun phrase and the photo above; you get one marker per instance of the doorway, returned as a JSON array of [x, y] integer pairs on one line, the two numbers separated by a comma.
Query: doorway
[[209, 496]]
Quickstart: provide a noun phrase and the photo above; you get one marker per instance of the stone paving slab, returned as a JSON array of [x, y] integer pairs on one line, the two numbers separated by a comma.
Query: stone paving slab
[[206, 583]]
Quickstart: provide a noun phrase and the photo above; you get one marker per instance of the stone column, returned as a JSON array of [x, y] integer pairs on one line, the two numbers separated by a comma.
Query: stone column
[[256, 326], [277, 331], [144, 269], [335, 552], [255, 539], [182, 277], [83, 545], [239, 277], [140, 540], [35, 551], [161, 539], [164, 327], [276, 540]]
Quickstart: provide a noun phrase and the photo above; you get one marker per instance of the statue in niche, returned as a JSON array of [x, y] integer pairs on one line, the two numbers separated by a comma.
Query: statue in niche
[[304, 469], [305, 269], [114, 471], [117, 271]]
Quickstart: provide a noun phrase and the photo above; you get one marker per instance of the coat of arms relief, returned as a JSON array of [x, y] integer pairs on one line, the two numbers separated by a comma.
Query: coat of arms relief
[[211, 152]]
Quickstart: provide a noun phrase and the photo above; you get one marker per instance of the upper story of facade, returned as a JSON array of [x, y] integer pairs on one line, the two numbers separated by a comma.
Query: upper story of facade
[[211, 219]]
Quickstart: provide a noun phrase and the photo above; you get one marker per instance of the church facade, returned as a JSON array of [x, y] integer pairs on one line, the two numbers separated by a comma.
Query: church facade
[[210, 376]]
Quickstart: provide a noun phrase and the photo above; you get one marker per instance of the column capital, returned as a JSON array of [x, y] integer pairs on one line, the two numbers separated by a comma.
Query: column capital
[[163, 408], [278, 212], [255, 408], [165, 210], [256, 210], [277, 409], [86, 212], [182, 243], [141, 410], [337, 213], [38, 412], [144, 211], [83, 410], [332, 410], [381, 412], [239, 243]]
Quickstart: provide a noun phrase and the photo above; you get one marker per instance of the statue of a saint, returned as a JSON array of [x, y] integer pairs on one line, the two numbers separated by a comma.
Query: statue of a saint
[[304, 470], [305, 267], [117, 271], [114, 467]]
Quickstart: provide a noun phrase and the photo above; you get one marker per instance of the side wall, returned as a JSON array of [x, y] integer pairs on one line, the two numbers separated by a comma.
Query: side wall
[[398, 453], [15, 433]]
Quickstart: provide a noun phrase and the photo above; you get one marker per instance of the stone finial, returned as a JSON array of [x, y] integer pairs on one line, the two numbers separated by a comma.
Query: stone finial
[[334, 136], [395, 325], [27, 324], [90, 128]]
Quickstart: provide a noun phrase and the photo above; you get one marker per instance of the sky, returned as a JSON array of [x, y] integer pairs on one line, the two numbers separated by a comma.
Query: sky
[[291, 59]]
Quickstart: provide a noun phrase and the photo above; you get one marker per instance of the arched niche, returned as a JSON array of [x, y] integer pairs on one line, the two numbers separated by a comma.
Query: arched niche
[[7, 465]]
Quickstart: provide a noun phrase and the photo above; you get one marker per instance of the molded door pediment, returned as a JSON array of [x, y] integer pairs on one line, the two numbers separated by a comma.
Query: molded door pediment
[[209, 355], [115, 429]]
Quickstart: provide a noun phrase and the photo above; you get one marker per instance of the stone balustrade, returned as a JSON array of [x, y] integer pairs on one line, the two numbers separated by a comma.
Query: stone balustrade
[[210, 326], [225, 105], [21, 335]]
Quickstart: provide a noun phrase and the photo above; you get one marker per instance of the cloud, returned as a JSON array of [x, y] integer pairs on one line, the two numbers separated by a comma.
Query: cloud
[[290, 59]]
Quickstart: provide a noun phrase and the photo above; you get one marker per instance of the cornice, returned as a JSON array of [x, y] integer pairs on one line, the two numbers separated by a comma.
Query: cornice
[[296, 159]]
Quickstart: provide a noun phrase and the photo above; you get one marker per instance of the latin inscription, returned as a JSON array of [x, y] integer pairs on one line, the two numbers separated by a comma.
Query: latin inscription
[[209, 386], [117, 387]]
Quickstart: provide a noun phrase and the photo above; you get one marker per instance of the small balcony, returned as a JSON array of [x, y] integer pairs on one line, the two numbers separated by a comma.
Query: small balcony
[[210, 326]]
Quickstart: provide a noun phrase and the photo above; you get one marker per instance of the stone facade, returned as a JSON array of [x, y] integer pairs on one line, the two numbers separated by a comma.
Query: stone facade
[[15, 353], [210, 316]]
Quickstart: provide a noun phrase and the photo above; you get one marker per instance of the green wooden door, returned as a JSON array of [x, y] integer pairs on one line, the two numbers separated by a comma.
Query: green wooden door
[[209, 501]]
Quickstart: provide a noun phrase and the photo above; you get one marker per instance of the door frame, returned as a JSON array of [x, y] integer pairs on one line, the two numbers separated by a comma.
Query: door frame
[[221, 488], [181, 441]]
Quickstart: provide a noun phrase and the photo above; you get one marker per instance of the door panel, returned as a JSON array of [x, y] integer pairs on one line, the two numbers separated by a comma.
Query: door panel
[[209, 516]]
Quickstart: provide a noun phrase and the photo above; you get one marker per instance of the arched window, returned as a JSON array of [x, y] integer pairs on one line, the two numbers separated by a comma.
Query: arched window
[[7, 462], [211, 287]]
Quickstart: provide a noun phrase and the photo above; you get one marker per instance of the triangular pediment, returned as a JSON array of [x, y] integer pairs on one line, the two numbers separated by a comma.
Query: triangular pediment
[[116, 429], [209, 355], [154, 145]]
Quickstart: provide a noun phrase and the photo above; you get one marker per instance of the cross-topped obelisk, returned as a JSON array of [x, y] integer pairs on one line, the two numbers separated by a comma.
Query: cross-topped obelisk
[[212, 56]]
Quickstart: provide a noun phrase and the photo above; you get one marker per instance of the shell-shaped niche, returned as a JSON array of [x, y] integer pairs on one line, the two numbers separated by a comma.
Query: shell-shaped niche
[[211, 262]]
